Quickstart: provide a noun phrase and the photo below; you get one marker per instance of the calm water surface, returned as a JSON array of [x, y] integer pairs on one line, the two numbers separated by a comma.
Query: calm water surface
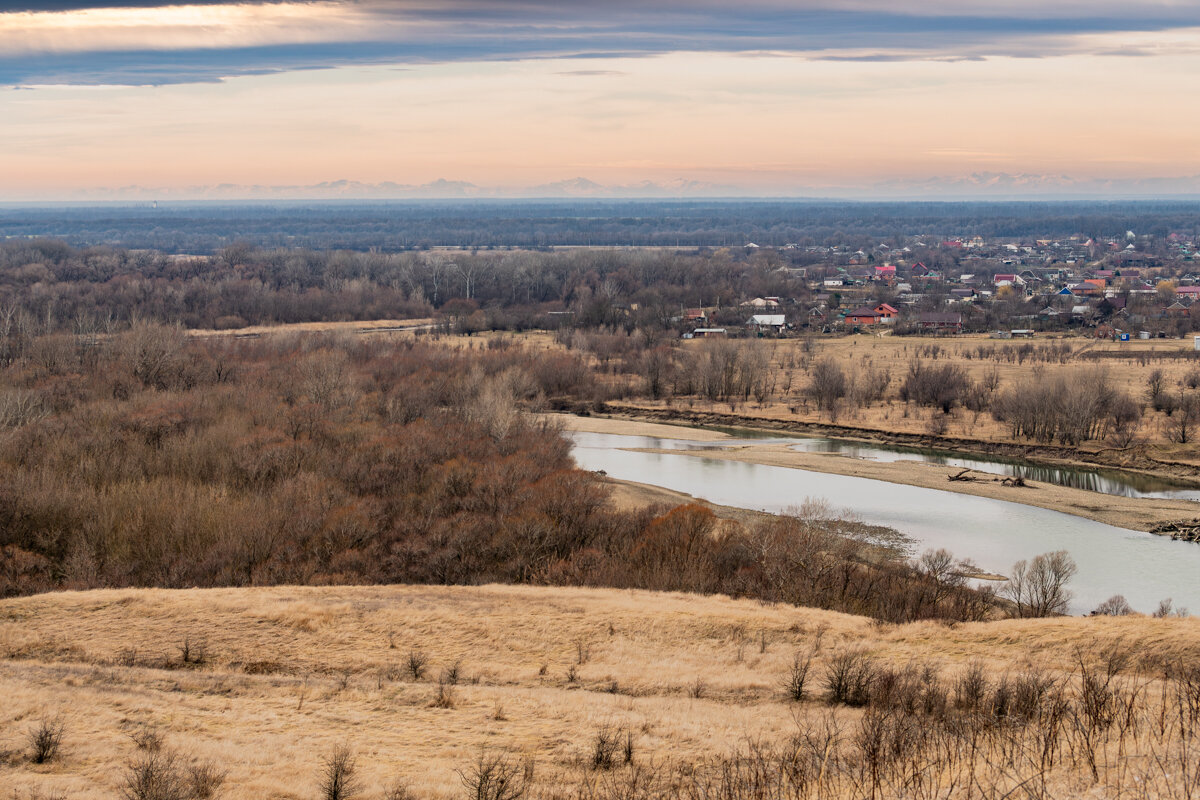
[[992, 533], [1125, 484]]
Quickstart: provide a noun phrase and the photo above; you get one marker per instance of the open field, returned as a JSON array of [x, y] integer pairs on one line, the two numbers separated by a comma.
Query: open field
[[288, 673], [316, 327], [1124, 512]]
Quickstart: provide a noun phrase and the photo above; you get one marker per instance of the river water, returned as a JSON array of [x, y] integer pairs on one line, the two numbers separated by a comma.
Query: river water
[[992, 533]]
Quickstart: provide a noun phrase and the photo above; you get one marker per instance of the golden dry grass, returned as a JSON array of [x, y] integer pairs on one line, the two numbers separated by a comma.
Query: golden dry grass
[[312, 327], [292, 672]]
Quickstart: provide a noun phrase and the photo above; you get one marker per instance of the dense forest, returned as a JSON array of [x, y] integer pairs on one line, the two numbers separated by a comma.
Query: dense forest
[[58, 287], [147, 459], [400, 225]]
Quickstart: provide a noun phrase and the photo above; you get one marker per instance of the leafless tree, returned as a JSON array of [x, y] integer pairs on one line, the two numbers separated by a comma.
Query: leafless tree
[[493, 777], [1039, 587], [828, 385], [338, 778], [1180, 426]]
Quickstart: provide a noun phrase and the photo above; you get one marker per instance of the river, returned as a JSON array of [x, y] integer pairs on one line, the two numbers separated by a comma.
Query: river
[[992, 533]]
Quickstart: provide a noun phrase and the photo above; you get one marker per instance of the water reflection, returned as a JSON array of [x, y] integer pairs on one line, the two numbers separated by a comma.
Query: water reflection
[[1125, 484], [1115, 482]]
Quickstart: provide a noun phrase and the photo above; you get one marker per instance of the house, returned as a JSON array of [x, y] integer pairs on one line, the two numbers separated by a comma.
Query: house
[[708, 333], [887, 313], [1008, 279], [864, 315], [767, 323], [940, 321], [695, 315]]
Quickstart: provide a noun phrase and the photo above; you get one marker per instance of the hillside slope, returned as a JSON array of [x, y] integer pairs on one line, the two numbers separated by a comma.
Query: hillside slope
[[273, 679]]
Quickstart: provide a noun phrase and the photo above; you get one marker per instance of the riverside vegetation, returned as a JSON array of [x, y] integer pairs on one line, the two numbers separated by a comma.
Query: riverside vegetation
[[148, 459]]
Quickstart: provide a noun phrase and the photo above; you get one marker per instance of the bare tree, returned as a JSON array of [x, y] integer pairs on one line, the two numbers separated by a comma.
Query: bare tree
[[493, 777], [828, 385], [338, 779], [1039, 587], [1181, 425]]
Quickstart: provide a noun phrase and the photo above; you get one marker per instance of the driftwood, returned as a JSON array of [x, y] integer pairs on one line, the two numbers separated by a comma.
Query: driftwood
[[966, 475], [1187, 530]]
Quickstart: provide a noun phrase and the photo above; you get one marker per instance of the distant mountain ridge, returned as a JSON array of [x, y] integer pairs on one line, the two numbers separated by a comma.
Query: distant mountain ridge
[[980, 185], [390, 190]]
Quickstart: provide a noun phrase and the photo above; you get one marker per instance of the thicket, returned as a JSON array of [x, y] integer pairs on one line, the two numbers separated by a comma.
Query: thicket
[[1067, 408], [149, 459]]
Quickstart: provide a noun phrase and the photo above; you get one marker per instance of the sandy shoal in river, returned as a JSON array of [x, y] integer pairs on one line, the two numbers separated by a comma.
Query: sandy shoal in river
[[1123, 512]]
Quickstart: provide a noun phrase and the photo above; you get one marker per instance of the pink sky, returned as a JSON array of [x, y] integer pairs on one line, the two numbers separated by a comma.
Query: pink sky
[[1097, 104]]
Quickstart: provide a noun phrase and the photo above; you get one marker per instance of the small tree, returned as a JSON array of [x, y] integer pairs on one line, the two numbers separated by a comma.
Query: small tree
[[338, 778], [1039, 587], [828, 386], [1115, 606], [1181, 425]]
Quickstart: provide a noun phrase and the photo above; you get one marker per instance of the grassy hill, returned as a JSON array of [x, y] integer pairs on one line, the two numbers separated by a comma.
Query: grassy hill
[[264, 684]]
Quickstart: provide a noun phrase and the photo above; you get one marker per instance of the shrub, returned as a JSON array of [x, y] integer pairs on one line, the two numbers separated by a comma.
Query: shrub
[[452, 674], [605, 746], [45, 740], [850, 678], [417, 662], [443, 696], [795, 681], [339, 780], [493, 777], [155, 775]]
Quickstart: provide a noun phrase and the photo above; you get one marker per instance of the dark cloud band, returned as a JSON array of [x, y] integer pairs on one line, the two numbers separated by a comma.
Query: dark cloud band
[[491, 30]]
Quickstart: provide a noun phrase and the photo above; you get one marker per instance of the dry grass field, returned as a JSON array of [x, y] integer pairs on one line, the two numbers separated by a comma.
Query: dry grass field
[[314, 327], [264, 683]]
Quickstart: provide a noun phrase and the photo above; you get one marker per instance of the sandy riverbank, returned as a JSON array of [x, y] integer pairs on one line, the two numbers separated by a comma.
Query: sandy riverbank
[[1123, 512]]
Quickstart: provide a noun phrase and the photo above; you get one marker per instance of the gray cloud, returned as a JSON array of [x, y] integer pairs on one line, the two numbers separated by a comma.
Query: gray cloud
[[407, 32]]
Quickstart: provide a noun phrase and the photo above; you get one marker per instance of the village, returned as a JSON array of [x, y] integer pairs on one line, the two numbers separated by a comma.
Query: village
[[1135, 287]]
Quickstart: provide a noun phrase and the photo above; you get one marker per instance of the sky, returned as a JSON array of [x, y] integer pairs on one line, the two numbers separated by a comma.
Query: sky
[[405, 98]]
